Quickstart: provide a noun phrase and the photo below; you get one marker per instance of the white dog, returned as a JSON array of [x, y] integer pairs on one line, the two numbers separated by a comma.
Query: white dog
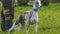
[[33, 15]]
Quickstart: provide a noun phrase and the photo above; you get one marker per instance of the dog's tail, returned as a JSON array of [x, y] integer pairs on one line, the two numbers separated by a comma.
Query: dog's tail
[[13, 26]]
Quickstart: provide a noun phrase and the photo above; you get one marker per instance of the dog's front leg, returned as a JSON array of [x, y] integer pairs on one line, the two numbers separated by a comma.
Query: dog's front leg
[[28, 27], [36, 27]]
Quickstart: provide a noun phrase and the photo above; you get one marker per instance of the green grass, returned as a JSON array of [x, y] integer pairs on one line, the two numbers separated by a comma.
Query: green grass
[[49, 19]]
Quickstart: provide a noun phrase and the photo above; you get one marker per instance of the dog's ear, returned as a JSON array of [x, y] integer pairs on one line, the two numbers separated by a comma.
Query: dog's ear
[[36, 0]]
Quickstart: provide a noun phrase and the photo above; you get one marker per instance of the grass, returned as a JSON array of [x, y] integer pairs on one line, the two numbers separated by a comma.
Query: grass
[[49, 19]]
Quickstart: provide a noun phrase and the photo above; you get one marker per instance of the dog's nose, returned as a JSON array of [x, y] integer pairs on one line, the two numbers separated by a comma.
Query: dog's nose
[[40, 7]]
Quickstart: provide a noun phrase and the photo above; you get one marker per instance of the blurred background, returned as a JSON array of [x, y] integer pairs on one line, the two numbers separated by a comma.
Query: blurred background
[[49, 16]]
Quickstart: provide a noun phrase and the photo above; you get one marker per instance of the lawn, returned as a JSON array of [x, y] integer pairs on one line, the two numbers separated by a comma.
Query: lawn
[[49, 19]]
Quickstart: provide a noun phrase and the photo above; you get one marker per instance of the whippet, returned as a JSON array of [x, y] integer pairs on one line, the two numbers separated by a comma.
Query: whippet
[[31, 16]]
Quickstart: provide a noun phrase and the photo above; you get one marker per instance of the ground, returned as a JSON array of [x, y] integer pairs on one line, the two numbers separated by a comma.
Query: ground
[[49, 19]]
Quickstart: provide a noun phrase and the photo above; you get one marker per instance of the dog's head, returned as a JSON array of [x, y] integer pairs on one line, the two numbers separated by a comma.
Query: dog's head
[[37, 4]]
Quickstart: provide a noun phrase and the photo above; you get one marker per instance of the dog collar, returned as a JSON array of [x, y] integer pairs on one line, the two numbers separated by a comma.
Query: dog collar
[[35, 10]]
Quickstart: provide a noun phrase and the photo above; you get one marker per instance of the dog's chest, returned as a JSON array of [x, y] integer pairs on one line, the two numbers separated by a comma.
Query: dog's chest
[[34, 17]]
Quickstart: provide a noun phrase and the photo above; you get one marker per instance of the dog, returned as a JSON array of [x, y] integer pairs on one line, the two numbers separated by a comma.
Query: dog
[[30, 16]]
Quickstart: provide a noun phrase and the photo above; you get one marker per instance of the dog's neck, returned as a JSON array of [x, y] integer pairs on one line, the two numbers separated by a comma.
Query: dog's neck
[[34, 9]]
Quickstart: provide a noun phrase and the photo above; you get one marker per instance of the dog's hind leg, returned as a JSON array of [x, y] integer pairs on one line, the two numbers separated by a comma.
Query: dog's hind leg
[[21, 26]]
